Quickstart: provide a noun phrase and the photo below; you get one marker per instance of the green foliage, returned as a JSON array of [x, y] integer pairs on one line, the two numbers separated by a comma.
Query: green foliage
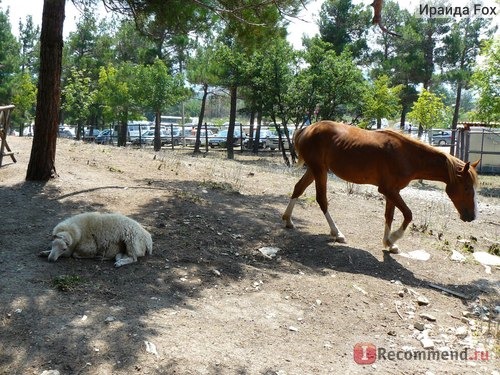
[[486, 79], [78, 96], [66, 283], [428, 111], [381, 100], [331, 86], [24, 98], [156, 89], [115, 92], [345, 26], [9, 58]]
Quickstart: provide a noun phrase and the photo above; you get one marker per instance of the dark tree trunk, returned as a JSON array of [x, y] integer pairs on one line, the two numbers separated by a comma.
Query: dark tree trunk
[[456, 112], [157, 139], [197, 143], [41, 166], [232, 121]]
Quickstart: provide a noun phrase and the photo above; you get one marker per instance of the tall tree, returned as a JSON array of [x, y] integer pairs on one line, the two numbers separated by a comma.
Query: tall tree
[[486, 79], [428, 111], [41, 165], [116, 93], [78, 96], [9, 58], [24, 98], [458, 56], [201, 70], [345, 25], [28, 38], [158, 90], [381, 100], [332, 84]]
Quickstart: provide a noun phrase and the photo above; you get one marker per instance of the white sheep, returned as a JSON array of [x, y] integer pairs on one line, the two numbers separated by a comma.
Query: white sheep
[[100, 235]]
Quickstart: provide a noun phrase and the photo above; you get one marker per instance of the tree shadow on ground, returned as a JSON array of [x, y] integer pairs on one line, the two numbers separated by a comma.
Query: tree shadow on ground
[[204, 234]]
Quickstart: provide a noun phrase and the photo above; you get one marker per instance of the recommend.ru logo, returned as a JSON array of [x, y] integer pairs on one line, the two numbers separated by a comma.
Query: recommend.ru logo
[[366, 353]]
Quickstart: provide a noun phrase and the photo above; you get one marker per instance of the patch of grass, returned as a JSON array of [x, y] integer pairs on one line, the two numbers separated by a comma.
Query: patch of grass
[[494, 249], [66, 283], [223, 186]]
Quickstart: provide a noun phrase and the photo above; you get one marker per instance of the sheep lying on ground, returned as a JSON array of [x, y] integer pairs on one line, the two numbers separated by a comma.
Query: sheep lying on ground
[[104, 236]]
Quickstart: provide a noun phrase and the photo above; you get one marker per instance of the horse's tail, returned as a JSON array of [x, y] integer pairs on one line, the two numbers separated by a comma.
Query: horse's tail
[[296, 139]]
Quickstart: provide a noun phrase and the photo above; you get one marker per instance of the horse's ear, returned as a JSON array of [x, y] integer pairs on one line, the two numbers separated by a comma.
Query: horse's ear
[[476, 163], [466, 167]]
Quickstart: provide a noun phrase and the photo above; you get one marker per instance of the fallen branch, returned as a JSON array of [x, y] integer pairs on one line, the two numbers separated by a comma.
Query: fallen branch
[[449, 291]]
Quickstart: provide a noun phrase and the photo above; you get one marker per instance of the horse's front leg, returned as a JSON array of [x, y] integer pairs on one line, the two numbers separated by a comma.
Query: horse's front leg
[[299, 189], [389, 218], [393, 199]]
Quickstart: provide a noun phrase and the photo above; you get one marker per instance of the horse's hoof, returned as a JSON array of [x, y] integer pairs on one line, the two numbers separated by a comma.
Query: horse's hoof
[[394, 249], [289, 224], [340, 238]]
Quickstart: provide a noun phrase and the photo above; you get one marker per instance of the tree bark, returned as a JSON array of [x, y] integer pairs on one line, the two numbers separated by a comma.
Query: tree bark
[[41, 166], [456, 113], [197, 143], [232, 122]]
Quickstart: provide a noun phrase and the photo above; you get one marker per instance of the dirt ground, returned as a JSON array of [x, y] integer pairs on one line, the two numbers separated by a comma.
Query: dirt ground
[[208, 302]]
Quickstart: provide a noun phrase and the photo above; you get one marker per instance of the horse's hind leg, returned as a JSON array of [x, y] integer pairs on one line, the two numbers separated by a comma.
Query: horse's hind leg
[[321, 178], [299, 189]]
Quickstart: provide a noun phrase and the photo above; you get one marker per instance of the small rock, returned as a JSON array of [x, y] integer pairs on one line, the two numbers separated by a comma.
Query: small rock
[[457, 257], [151, 348], [392, 333], [318, 302], [462, 332], [50, 372], [427, 343], [109, 319], [401, 293], [429, 317], [419, 325], [293, 329], [216, 272], [269, 252], [422, 301]]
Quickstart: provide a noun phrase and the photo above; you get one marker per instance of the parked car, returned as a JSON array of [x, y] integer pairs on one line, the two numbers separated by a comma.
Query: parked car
[[107, 136], [175, 137], [264, 136], [148, 138], [66, 133], [90, 134], [191, 138], [273, 140], [220, 139], [440, 137]]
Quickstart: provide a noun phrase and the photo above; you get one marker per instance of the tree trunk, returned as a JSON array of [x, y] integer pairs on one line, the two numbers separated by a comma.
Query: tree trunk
[[456, 111], [197, 143], [41, 166], [157, 139], [123, 135], [232, 121]]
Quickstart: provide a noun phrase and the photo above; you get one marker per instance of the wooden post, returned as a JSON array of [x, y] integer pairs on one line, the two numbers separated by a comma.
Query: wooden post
[[4, 131]]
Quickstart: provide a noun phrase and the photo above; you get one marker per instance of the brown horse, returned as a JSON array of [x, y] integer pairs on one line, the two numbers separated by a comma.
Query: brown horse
[[386, 159]]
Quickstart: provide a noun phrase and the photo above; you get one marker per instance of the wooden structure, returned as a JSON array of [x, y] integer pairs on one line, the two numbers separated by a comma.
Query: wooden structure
[[4, 131]]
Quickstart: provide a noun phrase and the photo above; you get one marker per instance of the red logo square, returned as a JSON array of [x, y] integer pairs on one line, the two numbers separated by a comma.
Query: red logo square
[[365, 353]]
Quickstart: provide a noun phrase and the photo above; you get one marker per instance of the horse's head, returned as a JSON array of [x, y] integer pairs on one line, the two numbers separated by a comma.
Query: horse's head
[[462, 190]]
